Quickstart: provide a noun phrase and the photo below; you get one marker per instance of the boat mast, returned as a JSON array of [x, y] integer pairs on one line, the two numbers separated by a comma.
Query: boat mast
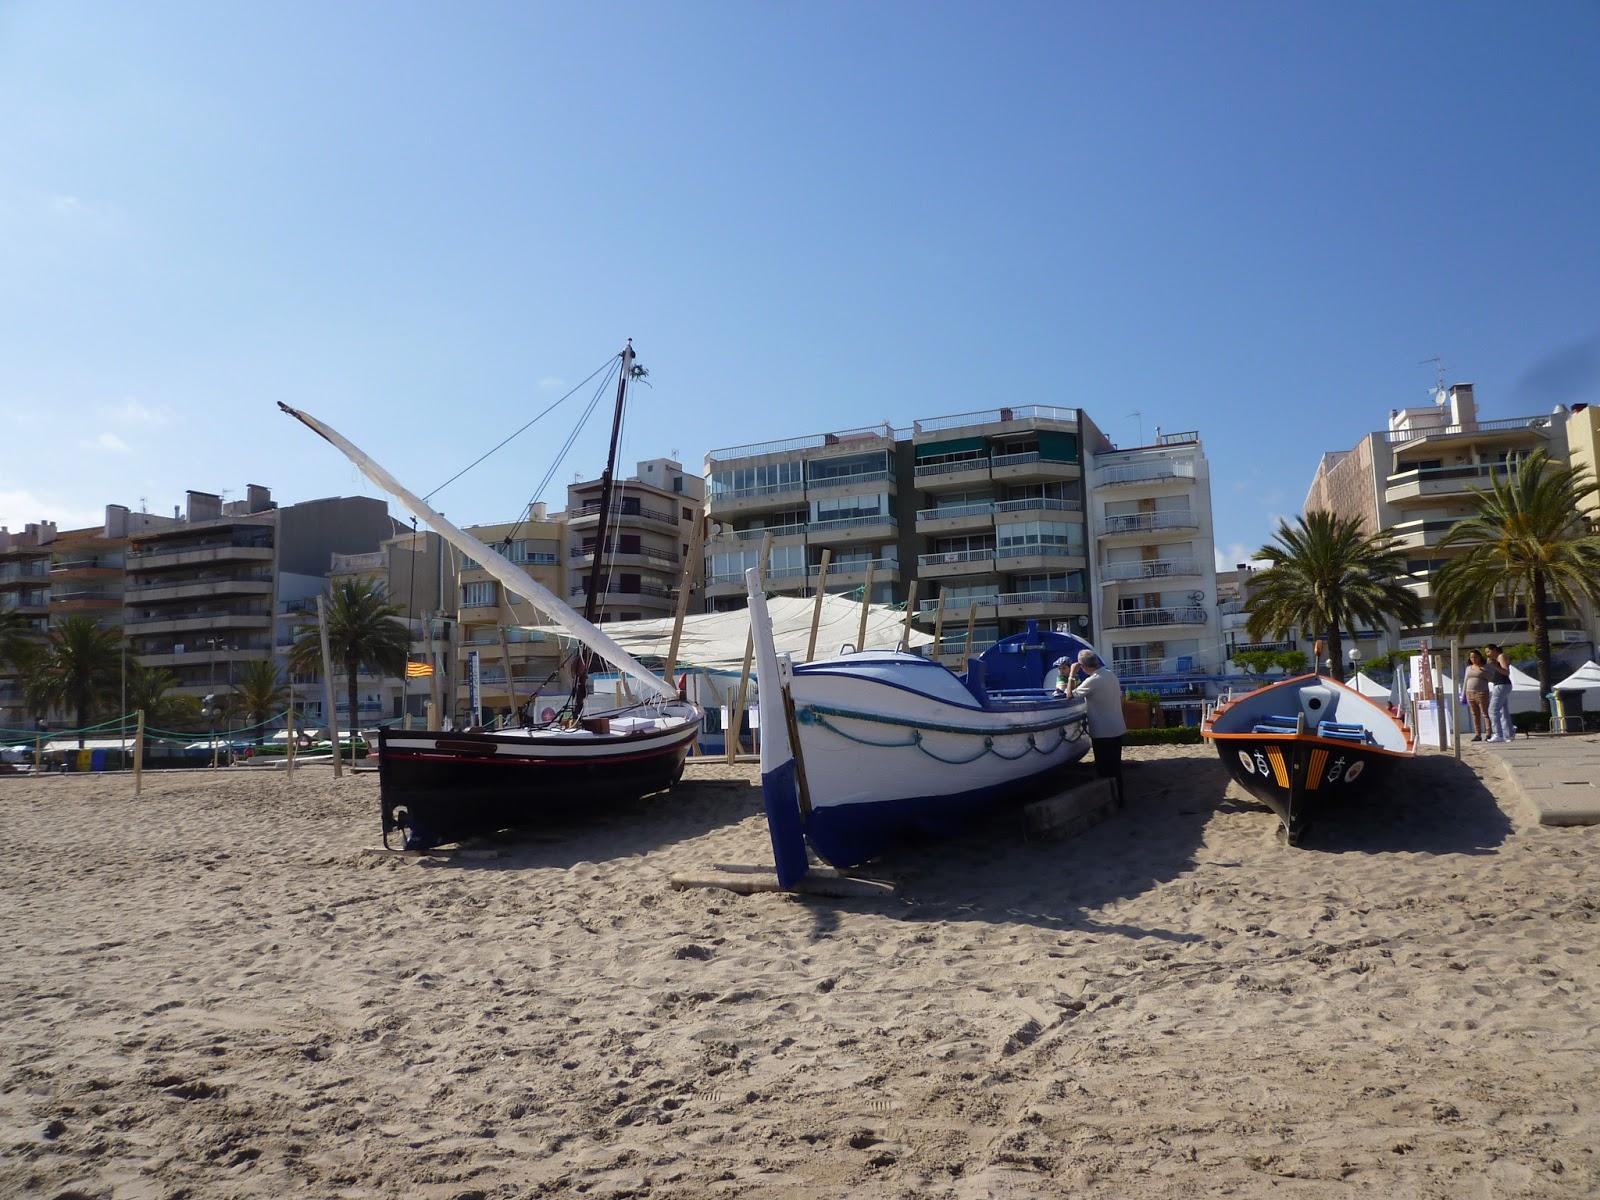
[[591, 603]]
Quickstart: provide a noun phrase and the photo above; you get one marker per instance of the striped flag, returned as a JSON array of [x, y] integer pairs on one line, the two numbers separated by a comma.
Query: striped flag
[[418, 670]]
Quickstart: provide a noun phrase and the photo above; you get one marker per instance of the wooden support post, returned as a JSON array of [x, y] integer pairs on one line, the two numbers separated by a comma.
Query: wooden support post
[[288, 731], [327, 689], [435, 682], [866, 605], [736, 711], [816, 607], [685, 588], [1455, 693], [38, 754], [938, 627], [911, 610], [138, 756], [505, 657], [972, 628], [1438, 700]]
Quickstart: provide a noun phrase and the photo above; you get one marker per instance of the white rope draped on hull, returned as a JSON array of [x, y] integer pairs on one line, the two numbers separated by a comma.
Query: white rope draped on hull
[[508, 573]]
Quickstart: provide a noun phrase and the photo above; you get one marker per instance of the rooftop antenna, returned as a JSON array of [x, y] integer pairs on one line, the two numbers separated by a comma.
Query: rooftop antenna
[[1438, 366], [1139, 417]]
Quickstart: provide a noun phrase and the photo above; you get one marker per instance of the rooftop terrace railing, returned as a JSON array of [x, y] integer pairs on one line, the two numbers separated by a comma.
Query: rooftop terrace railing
[[1535, 424], [811, 441], [996, 416], [1146, 472]]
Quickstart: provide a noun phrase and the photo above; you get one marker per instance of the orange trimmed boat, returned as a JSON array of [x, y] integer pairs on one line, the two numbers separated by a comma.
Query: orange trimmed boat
[[1301, 744]]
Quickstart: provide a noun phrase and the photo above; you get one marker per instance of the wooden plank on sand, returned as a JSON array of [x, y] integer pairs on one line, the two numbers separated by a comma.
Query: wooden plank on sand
[[819, 881]]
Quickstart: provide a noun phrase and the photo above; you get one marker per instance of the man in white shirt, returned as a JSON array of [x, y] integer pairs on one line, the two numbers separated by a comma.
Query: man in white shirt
[[1103, 693]]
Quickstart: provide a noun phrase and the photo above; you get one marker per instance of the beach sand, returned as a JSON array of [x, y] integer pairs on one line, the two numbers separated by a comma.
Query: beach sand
[[213, 992]]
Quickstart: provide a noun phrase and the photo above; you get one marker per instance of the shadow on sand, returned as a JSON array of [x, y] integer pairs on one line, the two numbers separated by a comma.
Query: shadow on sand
[[1431, 805]]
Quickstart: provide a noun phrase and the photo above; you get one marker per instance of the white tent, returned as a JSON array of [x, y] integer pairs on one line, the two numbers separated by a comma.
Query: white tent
[[1585, 679], [1369, 686], [1525, 694], [715, 641]]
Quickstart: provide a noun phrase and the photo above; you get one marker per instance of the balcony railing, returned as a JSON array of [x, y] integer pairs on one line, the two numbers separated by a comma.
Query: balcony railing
[[997, 416], [978, 462], [958, 645], [1027, 456], [955, 556], [617, 510], [1156, 569], [1038, 504], [855, 566], [1535, 424], [164, 548], [88, 564], [1146, 522], [975, 509], [1152, 472], [669, 557], [816, 527], [957, 605], [1034, 549], [1176, 439], [811, 441], [616, 589], [1424, 474], [1140, 618], [777, 531], [1039, 598], [763, 489], [31, 570], [849, 480]]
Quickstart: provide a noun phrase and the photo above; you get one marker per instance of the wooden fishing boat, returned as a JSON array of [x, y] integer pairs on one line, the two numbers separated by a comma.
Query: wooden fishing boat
[[1305, 744], [860, 750], [438, 787]]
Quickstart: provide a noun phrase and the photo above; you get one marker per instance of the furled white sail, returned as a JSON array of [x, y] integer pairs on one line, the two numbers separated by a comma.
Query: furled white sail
[[507, 572]]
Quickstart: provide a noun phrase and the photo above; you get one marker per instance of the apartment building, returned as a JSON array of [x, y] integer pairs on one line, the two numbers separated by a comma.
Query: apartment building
[[1156, 605], [513, 662], [204, 594], [1415, 479], [24, 592], [648, 535], [1000, 517]]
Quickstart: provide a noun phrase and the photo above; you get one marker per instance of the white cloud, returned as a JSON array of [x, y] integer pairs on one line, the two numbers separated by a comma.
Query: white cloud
[[1231, 555], [551, 383], [109, 442], [19, 506], [132, 411]]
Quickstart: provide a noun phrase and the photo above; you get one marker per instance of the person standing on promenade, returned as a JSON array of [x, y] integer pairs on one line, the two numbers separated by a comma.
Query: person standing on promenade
[[1475, 691], [1499, 670], [1103, 693]]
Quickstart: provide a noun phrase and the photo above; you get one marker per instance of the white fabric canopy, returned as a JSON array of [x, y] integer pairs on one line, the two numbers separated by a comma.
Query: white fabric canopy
[[715, 641], [1585, 679], [1369, 686], [1521, 681]]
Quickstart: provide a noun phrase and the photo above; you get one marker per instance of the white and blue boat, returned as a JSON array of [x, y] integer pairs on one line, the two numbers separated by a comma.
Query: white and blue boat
[[861, 750]]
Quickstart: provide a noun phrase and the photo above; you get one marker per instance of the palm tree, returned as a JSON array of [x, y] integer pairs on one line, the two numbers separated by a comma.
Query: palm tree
[[16, 640], [1328, 575], [150, 690], [260, 694], [363, 631], [1527, 541], [77, 668]]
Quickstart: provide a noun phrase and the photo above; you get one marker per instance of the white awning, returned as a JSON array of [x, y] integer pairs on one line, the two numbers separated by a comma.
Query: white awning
[[1369, 686], [1585, 679]]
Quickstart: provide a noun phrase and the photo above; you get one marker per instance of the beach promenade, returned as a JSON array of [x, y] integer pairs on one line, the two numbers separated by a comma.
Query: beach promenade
[[1558, 778], [216, 991]]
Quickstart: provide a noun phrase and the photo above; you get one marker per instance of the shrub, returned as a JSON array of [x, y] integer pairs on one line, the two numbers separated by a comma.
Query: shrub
[[1142, 697], [1164, 735], [1530, 722]]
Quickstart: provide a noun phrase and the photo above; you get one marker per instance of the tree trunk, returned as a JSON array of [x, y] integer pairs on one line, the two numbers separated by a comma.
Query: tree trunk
[[1540, 628], [1335, 654], [83, 720], [350, 669]]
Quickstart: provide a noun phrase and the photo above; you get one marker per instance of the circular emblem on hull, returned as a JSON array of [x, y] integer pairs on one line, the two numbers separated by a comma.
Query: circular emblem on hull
[[1244, 760], [1355, 769]]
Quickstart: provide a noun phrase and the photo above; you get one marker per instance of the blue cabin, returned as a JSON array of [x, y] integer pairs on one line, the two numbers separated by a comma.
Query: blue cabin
[[1021, 662]]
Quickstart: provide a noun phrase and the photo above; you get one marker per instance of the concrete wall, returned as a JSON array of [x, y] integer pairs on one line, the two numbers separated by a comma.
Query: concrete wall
[[309, 532]]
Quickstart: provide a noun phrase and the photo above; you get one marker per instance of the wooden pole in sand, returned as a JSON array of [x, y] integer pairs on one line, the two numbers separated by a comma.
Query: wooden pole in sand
[[866, 605], [1455, 693], [327, 689], [288, 735], [685, 587], [816, 607], [138, 756], [736, 713], [911, 611], [435, 705], [938, 627], [505, 657], [1438, 699]]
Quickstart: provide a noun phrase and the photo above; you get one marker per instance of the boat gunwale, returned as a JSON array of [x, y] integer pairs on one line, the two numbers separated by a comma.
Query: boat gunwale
[[531, 737], [1207, 731]]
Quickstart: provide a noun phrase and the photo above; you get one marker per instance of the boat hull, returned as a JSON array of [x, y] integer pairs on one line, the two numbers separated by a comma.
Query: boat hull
[[882, 763], [442, 787], [1298, 776]]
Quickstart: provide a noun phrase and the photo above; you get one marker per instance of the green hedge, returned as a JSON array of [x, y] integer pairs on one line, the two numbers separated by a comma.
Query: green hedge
[[1168, 735]]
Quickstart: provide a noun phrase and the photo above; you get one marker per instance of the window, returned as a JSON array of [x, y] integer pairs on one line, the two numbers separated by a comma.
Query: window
[[760, 480], [688, 514], [832, 471], [1060, 537], [677, 486], [478, 595], [846, 508]]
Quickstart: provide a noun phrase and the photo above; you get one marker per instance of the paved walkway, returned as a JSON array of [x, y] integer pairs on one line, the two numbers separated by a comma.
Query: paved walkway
[[1559, 777]]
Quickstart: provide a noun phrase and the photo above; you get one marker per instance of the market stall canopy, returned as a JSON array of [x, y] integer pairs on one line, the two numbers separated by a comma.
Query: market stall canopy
[[715, 641], [1585, 679], [1369, 686]]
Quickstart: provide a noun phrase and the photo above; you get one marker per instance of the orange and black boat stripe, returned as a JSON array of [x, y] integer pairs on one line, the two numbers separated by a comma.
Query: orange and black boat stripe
[[1275, 757], [1319, 759]]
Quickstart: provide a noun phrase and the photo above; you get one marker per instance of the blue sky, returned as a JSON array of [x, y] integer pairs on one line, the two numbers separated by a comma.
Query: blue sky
[[424, 222]]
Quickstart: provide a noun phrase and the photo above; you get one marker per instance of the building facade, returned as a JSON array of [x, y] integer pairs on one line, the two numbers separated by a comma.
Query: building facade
[[648, 535]]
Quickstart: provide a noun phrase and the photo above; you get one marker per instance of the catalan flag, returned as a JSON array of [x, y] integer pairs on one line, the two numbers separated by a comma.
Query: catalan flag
[[418, 670]]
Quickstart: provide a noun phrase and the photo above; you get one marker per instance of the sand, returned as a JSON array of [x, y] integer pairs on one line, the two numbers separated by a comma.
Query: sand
[[213, 992]]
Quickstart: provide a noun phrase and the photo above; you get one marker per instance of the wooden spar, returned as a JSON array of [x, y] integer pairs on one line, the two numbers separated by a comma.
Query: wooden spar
[[938, 627], [1438, 699], [505, 657], [866, 605], [138, 756], [736, 712], [327, 690], [911, 608], [607, 487], [972, 626], [685, 586], [1455, 704], [816, 608], [288, 730]]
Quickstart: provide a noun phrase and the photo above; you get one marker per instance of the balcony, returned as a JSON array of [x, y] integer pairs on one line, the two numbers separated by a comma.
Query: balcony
[[1146, 618], [1006, 418], [161, 559], [1537, 426], [648, 557], [86, 568], [778, 579], [779, 533], [956, 518], [1148, 522], [1043, 603], [197, 623], [83, 600], [1039, 504], [848, 441], [201, 589], [854, 571], [830, 485], [1032, 465], [1161, 471], [589, 514], [959, 608], [954, 563], [1166, 568], [35, 569], [1420, 535], [947, 476], [1039, 556], [756, 499], [851, 529], [1425, 483]]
